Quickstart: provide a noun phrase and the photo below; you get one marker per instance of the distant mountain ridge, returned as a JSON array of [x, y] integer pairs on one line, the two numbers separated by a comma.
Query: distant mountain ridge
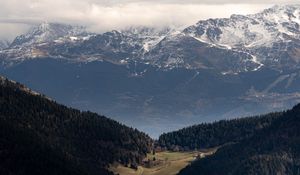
[[47, 32], [270, 37], [246, 42]]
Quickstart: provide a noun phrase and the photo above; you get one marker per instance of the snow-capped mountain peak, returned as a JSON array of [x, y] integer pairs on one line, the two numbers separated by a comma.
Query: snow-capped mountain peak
[[261, 29], [237, 44], [47, 32]]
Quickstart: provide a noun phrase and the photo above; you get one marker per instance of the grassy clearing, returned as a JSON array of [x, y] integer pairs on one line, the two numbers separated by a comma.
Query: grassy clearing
[[170, 163]]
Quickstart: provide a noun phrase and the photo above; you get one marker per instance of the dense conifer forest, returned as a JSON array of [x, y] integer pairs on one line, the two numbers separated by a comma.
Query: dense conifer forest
[[271, 150], [39, 136], [209, 135]]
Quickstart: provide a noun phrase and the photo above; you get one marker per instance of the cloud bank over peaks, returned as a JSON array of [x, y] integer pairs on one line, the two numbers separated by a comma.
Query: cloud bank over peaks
[[103, 15]]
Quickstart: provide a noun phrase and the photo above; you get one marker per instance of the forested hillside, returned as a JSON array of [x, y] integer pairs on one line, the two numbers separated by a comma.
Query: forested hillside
[[209, 135], [39, 136], [272, 150]]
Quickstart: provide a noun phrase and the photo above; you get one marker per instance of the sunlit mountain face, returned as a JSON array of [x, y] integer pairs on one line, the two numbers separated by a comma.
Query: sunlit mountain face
[[161, 79]]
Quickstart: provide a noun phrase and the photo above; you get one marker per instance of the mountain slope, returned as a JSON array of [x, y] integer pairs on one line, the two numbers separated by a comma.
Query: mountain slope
[[272, 150], [48, 32], [23, 153], [210, 135], [4, 44], [237, 44], [181, 50], [40, 136], [271, 36]]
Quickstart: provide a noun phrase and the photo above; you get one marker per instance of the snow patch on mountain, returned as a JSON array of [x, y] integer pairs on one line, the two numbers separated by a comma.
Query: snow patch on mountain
[[4, 44], [149, 37], [49, 32], [261, 29], [237, 44]]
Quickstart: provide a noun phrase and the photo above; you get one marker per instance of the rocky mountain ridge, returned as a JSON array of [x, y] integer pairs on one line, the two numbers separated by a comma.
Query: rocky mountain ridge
[[237, 44]]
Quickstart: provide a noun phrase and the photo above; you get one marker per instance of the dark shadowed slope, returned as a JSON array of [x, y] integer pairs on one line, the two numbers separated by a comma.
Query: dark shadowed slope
[[271, 150], [209, 135], [39, 136]]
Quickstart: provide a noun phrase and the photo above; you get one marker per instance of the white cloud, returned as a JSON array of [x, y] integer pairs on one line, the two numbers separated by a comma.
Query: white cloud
[[103, 15]]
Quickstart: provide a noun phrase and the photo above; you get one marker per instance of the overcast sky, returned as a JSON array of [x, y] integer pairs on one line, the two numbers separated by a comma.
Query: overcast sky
[[101, 15]]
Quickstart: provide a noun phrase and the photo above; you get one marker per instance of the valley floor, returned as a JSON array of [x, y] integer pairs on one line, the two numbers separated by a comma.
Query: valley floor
[[166, 163]]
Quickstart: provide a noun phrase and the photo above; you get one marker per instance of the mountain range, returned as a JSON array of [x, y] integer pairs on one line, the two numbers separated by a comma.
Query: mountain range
[[165, 77]]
